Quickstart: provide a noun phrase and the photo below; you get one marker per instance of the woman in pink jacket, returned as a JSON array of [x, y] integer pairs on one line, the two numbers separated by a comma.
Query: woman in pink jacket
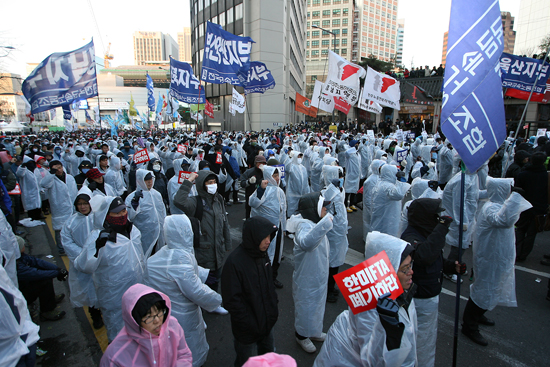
[[150, 336]]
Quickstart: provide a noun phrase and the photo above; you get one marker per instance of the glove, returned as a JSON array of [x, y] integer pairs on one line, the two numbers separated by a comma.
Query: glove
[[388, 310], [53, 171], [431, 165], [433, 185], [62, 275], [92, 185], [404, 163], [104, 236], [135, 200], [446, 220], [464, 227], [335, 182], [252, 180], [519, 190], [461, 268]]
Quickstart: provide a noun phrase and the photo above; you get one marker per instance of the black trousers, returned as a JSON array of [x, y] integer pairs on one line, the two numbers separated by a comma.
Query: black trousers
[[276, 263], [331, 282], [35, 214], [472, 314], [526, 232], [41, 289]]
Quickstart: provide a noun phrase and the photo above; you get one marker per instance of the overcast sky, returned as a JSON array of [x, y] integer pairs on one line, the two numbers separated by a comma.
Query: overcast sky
[[37, 28]]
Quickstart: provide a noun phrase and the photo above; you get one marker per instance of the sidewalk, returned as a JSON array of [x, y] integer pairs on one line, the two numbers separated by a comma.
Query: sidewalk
[[71, 340]]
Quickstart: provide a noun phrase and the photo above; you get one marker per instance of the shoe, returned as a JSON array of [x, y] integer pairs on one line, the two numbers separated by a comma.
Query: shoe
[[97, 323], [291, 236], [59, 298], [220, 311], [545, 262], [320, 338], [483, 320], [61, 252], [476, 337], [349, 210], [228, 203], [52, 315], [332, 297], [453, 278], [547, 256], [353, 208], [277, 284], [306, 345]]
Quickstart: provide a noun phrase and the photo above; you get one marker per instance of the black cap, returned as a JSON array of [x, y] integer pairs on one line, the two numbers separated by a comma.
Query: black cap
[[148, 176], [117, 205]]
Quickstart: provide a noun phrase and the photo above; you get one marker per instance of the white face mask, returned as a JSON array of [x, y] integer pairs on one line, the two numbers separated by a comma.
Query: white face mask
[[299, 160], [156, 167], [212, 188]]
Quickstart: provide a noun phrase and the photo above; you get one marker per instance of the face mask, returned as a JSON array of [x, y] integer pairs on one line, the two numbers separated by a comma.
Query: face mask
[[156, 167], [212, 188], [299, 160], [384, 158], [85, 170], [34, 150], [434, 155], [117, 221], [341, 182]]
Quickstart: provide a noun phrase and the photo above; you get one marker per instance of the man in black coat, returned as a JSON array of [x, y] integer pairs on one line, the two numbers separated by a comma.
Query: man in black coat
[[252, 149], [520, 159], [251, 179], [534, 182], [248, 292]]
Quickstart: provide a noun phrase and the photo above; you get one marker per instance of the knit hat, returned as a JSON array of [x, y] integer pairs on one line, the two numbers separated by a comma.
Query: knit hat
[[259, 159], [94, 173]]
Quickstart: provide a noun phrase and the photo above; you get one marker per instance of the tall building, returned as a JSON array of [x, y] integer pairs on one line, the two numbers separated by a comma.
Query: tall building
[[184, 44], [278, 28], [399, 44], [154, 48], [533, 24], [508, 31], [444, 52]]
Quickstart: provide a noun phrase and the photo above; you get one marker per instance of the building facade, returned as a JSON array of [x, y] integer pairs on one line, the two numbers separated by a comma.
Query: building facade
[[154, 47], [184, 44], [278, 29], [399, 43], [533, 24], [444, 51], [509, 34]]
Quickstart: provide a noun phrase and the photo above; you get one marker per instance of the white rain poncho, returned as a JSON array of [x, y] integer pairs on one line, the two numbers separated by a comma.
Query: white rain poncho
[[353, 171], [419, 189], [338, 235], [74, 236], [13, 328], [174, 270], [116, 268], [296, 183], [416, 148], [451, 203], [482, 174], [74, 161], [61, 195], [173, 186], [368, 189], [386, 201], [494, 246], [9, 250], [446, 164], [149, 215], [114, 177], [360, 340], [366, 158], [316, 170], [272, 206], [309, 280], [30, 191]]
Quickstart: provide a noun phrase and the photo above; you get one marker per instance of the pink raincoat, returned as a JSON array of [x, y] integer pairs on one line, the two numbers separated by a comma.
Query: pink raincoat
[[135, 346]]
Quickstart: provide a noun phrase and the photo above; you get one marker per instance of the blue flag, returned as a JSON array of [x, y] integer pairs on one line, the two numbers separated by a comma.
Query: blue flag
[[224, 55], [472, 114], [67, 114], [150, 93], [184, 85], [61, 78], [159, 105], [520, 73], [257, 79]]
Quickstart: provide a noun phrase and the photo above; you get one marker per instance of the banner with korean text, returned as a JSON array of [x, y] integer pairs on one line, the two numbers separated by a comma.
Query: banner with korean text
[[343, 78], [141, 156], [382, 89], [520, 73], [184, 85], [321, 100], [258, 79]]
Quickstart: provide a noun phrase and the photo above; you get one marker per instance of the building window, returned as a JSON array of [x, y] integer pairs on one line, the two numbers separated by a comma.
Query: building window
[[336, 31], [345, 11], [343, 51], [316, 3], [326, 23], [336, 2], [316, 14], [314, 43], [335, 12], [325, 43], [239, 11], [316, 23], [345, 21], [326, 2], [344, 41], [336, 22], [326, 13], [229, 16], [221, 20], [307, 44], [315, 52], [307, 53], [200, 5], [344, 31], [336, 51], [336, 42], [324, 52], [308, 14], [315, 34]]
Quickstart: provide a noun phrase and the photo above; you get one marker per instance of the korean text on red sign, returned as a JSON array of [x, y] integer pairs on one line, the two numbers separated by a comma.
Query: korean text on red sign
[[183, 175], [182, 149], [141, 156], [364, 283]]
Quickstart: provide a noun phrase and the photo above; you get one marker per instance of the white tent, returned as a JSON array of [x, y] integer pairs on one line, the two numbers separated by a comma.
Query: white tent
[[14, 126]]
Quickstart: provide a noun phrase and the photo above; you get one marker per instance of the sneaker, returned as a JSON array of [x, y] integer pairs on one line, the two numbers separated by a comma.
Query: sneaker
[[220, 311], [354, 208], [61, 252], [545, 262], [307, 345], [277, 284], [348, 209], [453, 278], [52, 315], [320, 338], [476, 337], [59, 298]]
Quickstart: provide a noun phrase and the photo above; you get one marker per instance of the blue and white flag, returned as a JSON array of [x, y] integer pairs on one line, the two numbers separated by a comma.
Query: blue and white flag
[[150, 93], [52, 114], [67, 114], [184, 85], [472, 114], [520, 73], [61, 78], [159, 105], [257, 79], [224, 55]]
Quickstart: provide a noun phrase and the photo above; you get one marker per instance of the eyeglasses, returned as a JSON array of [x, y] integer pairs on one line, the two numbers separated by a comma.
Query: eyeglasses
[[406, 269], [151, 318]]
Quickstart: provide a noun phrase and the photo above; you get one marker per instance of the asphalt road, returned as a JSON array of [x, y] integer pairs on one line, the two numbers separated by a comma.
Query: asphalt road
[[518, 339]]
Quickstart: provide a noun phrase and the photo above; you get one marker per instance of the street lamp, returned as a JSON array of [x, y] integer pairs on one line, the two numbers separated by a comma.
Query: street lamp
[[334, 48], [9, 48]]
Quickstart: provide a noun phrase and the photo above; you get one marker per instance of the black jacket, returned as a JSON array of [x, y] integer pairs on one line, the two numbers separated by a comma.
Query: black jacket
[[427, 236], [248, 292], [250, 188], [515, 168], [534, 180], [251, 152]]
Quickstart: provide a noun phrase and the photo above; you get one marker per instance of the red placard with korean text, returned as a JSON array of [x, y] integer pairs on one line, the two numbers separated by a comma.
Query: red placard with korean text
[[182, 149], [16, 190], [218, 158], [365, 282], [141, 157], [183, 175]]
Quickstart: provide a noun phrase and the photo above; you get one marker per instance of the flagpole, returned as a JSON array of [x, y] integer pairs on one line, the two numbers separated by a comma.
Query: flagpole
[[247, 112], [531, 93]]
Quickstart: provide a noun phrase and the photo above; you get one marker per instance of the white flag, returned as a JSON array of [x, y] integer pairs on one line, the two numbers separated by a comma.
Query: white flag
[[369, 106], [196, 116], [232, 109], [382, 88], [320, 100], [343, 78], [68, 126], [52, 114], [238, 101]]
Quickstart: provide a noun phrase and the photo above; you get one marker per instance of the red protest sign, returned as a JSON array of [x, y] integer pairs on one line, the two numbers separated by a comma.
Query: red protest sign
[[218, 158], [141, 157], [184, 175], [341, 105], [16, 190], [182, 149], [364, 283], [209, 110]]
